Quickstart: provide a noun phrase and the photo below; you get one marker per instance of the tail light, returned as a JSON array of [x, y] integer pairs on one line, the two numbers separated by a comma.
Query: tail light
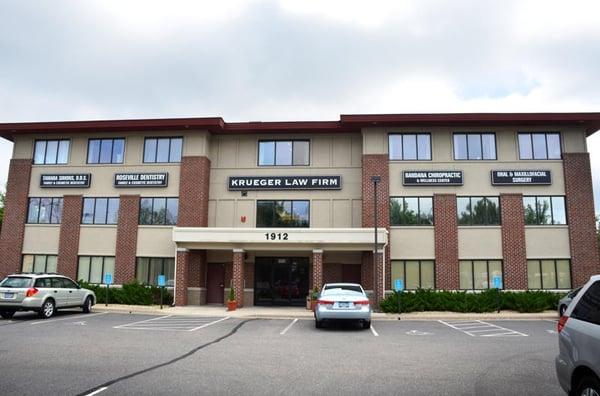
[[324, 302], [361, 302], [32, 291], [562, 322]]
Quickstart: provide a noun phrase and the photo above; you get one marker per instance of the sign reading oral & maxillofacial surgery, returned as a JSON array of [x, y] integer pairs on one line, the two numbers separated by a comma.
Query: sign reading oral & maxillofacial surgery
[[251, 183], [73, 180], [141, 179], [432, 178], [519, 177]]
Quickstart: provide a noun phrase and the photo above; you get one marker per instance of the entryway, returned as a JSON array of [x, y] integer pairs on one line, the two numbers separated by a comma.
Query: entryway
[[215, 283], [281, 281]]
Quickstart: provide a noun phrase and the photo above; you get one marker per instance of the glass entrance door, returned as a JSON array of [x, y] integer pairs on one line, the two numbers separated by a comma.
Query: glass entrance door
[[280, 280]]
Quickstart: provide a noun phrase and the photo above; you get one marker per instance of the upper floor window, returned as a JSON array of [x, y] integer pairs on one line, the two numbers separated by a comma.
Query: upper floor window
[[479, 274], [283, 152], [282, 213], [478, 210], [51, 152], [106, 151], [100, 211], [549, 274], [163, 149], [545, 210], [410, 146], [92, 269], [39, 263], [45, 210], [411, 210], [539, 146], [159, 211], [474, 146]]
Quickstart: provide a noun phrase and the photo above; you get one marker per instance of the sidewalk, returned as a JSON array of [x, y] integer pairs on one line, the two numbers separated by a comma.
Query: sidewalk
[[303, 313]]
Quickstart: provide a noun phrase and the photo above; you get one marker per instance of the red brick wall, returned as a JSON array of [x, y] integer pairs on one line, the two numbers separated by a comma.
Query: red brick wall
[[513, 241], [317, 269], [194, 183], [197, 269], [585, 260], [238, 276], [249, 275], [127, 229], [15, 216], [332, 272], [68, 245], [181, 277], [446, 241], [366, 270]]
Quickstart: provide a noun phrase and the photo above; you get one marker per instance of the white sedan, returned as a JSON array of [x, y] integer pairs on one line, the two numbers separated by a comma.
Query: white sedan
[[343, 301]]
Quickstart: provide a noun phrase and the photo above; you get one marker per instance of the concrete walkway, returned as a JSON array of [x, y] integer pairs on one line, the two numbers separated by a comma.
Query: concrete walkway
[[303, 313]]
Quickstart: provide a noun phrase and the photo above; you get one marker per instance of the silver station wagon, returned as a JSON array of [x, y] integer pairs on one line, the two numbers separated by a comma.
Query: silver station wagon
[[42, 293], [343, 301]]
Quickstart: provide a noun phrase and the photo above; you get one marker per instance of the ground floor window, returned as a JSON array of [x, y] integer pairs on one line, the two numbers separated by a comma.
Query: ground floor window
[[93, 268], [417, 274], [39, 263], [479, 274], [148, 268], [549, 274]]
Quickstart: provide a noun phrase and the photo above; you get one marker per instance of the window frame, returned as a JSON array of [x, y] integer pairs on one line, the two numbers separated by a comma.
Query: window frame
[[292, 208], [90, 268], [94, 210], [52, 206], [157, 138], [555, 260], [481, 146], [420, 262], [275, 152], [416, 134], [487, 267], [112, 150], [486, 199], [418, 213], [34, 255], [46, 151], [152, 223], [546, 133], [163, 260], [537, 215]]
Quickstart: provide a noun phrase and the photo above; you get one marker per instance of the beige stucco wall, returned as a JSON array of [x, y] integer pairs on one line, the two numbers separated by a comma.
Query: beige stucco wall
[[41, 238], [412, 243], [97, 240], [547, 242], [480, 242], [155, 241]]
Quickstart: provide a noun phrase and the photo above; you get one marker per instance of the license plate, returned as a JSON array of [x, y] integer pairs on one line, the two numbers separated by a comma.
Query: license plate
[[344, 305], [9, 295]]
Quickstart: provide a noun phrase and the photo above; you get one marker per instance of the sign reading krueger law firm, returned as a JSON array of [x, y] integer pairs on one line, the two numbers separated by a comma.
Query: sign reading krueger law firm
[[250, 183], [432, 178], [141, 179], [73, 180], [519, 177]]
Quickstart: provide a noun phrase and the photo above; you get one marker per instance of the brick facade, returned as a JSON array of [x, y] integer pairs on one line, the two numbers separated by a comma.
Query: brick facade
[[332, 272], [238, 276], [585, 260], [15, 216], [181, 276], [127, 230], [513, 242], [317, 269], [197, 269], [446, 241], [68, 245], [194, 183]]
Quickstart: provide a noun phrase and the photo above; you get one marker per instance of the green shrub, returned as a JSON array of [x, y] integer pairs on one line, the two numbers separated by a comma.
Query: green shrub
[[132, 293]]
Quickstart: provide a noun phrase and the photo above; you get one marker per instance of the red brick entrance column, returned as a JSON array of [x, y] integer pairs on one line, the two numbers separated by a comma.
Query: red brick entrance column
[[446, 242], [317, 268], [513, 241], [181, 276], [68, 245], [238, 276], [127, 231]]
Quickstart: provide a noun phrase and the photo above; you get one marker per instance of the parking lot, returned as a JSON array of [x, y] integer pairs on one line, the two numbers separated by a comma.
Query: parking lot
[[112, 353]]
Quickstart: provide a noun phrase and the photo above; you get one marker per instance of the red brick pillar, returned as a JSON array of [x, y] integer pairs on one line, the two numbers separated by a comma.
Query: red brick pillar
[[513, 242], [181, 276], [366, 271], [238, 276], [585, 260], [15, 216], [127, 230], [446, 242], [68, 245], [197, 269], [194, 183], [317, 268]]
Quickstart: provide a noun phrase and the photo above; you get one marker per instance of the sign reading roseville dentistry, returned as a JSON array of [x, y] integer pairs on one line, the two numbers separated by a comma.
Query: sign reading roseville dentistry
[[250, 183], [141, 179], [515, 177], [432, 178], [77, 180]]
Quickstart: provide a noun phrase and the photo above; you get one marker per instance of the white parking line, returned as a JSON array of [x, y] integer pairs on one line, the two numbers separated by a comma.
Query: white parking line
[[173, 323], [474, 328], [288, 327], [68, 318], [141, 321], [210, 324], [374, 332], [97, 391]]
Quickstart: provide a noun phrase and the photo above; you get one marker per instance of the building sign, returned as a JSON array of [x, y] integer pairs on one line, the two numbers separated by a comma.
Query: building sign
[[78, 180], [432, 178], [516, 177], [251, 183], [141, 179]]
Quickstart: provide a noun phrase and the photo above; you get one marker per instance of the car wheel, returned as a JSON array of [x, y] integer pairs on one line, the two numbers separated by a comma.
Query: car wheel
[[366, 324], [48, 309], [588, 386], [87, 305], [318, 324], [7, 314], [562, 310]]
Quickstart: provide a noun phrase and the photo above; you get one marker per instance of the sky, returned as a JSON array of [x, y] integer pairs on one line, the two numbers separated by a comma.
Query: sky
[[295, 59]]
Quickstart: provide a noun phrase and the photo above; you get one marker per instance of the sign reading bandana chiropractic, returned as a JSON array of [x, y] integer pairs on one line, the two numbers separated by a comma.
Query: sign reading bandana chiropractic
[[78, 180], [432, 178], [141, 179], [516, 177], [251, 183]]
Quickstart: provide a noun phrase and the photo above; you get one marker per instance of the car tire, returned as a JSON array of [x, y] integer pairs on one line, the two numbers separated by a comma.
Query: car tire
[[586, 384], [7, 314], [318, 324], [562, 309], [87, 305], [48, 309], [366, 324]]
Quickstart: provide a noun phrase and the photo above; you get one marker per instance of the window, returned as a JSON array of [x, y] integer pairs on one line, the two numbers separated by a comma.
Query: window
[[417, 274], [282, 213], [159, 211], [39, 263], [163, 149], [106, 151], [474, 146], [411, 211], [478, 210], [93, 269], [479, 274], [147, 270], [588, 307], [45, 210], [410, 146], [539, 146], [100, 211], [544, 210], [549, 274], [282, 153], [51, 152]]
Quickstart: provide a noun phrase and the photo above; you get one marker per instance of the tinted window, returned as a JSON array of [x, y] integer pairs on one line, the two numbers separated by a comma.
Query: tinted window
[[544, 210], [525, 147], [282, 213], [16, 282], [333, 289], [409, 146], [51, 152], [43, 282], [474, 146], [69, 284], [266, 153], [45, 210], [539, 146], [588, 307], [283, 152], [158, 211], [57, 282]]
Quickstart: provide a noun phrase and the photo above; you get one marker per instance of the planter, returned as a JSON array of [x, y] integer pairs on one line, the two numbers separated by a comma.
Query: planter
[[313, 305], [231, 305]]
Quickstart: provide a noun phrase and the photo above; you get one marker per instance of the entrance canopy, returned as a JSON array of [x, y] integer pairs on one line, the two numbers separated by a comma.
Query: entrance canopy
[[353, 239]]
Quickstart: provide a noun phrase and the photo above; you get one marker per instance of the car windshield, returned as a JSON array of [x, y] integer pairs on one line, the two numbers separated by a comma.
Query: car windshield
[[342, 289], [16, 282]]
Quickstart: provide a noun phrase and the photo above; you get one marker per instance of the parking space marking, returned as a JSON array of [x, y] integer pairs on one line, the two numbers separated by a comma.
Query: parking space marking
[[68, 318], [478, 328], [97, 391], [210, 324], [374, 331], [288, 327], [172, 323]]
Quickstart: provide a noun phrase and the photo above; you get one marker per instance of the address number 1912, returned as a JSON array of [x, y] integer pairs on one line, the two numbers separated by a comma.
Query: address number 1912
[[276, 236]]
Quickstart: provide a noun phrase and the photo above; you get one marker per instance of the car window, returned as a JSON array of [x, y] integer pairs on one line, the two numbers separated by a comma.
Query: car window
[[57, 282], [43, 282], [16, 282], [588, 307], [69, 284], [353, 288]]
